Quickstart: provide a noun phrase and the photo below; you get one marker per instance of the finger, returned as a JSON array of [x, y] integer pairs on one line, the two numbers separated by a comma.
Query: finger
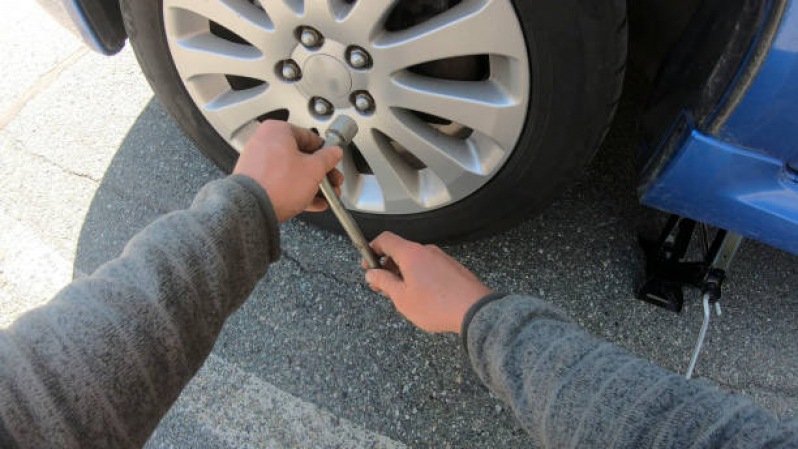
[[327, 158], [336, 177], [392, 246], [321, 195], [306, 140], [390, 265], [385, 262], [317, 205], [385, 281]]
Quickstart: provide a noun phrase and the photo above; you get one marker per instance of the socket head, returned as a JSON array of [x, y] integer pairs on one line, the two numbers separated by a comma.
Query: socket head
[[344, 128]]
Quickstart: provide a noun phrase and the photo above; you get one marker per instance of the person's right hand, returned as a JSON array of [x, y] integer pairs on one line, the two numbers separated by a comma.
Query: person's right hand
[[283, 159], [430, 288]]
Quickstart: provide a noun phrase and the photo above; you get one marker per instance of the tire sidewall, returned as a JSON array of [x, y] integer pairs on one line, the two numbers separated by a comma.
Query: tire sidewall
[[145, 27]]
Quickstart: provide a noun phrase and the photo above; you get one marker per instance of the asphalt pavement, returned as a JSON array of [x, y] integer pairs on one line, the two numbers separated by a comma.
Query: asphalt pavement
[[315, 359]]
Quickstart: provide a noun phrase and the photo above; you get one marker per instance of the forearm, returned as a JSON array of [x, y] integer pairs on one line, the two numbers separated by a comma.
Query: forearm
[[103, 361], [569, 389]]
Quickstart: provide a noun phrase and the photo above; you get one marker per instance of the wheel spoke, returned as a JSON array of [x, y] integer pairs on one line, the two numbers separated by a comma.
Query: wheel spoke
[[469, 28], [451, 159], [233, 109], [368, 15], [242, 136], [207, 54], [349, 191], [279, 10], [239, 16], [483, 105], [397, 182]]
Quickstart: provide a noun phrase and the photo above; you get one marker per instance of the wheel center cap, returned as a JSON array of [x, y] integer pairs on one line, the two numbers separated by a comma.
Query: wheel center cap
[[325, 76]]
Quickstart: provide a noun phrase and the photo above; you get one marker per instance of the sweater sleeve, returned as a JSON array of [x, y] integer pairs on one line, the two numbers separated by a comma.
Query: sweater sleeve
[[102, 362], [569, 389]]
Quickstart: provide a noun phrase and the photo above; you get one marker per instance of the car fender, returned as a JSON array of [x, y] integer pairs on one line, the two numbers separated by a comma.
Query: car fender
[[97, 22]]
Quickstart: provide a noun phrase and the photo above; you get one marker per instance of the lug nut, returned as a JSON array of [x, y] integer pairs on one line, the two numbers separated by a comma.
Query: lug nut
[[322, 107], [310, 38], [290, 71], [359, 59], [364, 102]]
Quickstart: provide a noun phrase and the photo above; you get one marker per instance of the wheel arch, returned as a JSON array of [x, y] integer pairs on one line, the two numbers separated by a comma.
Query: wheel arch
[[98, 22]]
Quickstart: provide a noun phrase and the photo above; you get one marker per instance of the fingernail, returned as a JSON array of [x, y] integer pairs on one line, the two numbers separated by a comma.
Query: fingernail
[[369, 276]]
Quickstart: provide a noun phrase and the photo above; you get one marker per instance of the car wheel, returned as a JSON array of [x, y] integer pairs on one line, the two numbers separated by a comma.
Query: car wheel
[[472, 113]]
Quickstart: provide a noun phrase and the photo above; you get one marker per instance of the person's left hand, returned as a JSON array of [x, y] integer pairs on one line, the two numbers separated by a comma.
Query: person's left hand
[[283, 159], [426, 285]]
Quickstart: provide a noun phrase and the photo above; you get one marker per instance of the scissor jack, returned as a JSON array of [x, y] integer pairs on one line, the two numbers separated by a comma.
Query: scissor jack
[[667, 272]]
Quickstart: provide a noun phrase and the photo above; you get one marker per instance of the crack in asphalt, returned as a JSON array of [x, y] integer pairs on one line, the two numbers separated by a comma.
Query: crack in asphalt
[[51, 162], [310, 271], [99, 181]]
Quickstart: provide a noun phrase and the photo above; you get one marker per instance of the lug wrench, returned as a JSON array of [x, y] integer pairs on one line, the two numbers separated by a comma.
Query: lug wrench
[[340, 134]]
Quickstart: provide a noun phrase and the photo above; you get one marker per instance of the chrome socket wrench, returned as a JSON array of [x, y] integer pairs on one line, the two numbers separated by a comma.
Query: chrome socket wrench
[[341, 133]]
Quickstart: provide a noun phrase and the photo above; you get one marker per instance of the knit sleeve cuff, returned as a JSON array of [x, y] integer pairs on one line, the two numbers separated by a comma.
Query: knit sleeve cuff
[[476, 307], [266, 209]]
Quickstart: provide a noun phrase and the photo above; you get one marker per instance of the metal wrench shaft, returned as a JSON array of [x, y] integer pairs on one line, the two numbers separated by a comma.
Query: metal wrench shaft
[[340, 133]]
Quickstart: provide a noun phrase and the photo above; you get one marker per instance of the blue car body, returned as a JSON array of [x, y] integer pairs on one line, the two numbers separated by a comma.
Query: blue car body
[[741, 174]]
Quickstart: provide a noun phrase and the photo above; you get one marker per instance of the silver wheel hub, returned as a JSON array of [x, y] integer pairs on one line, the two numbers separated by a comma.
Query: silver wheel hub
[[424, 142], [325, 77], [326, 74]]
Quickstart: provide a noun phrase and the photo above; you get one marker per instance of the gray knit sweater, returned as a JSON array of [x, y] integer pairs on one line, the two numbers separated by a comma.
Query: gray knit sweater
[[101, 363]]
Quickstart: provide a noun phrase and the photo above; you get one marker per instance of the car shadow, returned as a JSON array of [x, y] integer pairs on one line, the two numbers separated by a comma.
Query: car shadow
[[155, 170], [314, 329]]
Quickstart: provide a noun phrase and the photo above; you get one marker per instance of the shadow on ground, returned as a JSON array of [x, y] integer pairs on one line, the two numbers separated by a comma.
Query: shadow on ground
[[313, 329]]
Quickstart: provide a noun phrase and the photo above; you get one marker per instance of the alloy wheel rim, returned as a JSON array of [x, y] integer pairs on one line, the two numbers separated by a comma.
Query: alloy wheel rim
[[424, 142]]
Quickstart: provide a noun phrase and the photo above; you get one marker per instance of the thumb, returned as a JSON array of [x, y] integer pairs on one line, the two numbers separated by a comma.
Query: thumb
[[385, 281], [328, 157]]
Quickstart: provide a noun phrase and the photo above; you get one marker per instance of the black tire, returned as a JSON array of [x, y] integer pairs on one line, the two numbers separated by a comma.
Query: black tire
[[577, 54]]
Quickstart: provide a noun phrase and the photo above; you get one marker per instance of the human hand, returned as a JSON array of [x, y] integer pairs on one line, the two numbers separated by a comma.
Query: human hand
[[426, 285], [281, 158]]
